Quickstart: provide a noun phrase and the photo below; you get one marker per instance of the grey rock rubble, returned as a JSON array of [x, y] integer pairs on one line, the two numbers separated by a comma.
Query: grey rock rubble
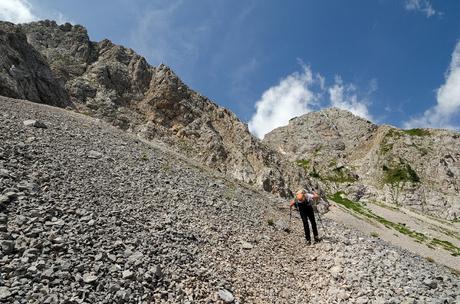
[[126, 228]]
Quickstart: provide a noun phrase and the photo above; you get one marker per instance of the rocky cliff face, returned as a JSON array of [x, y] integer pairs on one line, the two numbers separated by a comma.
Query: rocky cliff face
[[117, 85], [24, 72], [416, 168]]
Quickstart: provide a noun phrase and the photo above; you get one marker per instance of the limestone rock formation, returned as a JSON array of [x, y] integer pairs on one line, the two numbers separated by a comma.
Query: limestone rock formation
[[115, 84], [418, 168], [24, 72]]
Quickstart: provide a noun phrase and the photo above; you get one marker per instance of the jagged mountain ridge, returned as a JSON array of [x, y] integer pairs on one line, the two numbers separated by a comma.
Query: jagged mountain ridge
[[115, 84], [416, 168]]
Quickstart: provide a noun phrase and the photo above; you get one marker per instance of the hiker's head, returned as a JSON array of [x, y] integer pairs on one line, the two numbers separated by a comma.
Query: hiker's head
[[300, 195]]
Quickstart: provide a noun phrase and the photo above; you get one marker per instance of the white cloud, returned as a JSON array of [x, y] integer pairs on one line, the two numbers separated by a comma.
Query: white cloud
[[291, 97], [16, 11], [344, 97], [423, 6], [22, 11], [448, 100], [300, 93]]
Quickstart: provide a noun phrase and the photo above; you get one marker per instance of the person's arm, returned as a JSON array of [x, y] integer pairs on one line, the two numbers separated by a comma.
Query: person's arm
[[315, 196], [292, 203]]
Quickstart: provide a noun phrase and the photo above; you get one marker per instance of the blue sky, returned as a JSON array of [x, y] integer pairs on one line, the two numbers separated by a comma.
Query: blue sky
[[392, 61]]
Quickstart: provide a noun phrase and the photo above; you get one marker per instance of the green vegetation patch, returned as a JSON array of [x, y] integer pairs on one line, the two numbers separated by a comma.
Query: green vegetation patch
[[455, 251], [270, 222], [400, 173], [340, 175], [358, 208], [417, 132], [386, 146], [304, 163], [332, 163], [314, 173], [418, 236], [230, 192]]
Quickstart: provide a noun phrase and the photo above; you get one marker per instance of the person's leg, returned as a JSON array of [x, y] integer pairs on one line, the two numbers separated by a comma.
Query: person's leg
[[304, 216], [311, 216]]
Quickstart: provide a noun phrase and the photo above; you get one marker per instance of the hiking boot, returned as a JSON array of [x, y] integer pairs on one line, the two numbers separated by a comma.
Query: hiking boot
[[317, 240], [308, 242]]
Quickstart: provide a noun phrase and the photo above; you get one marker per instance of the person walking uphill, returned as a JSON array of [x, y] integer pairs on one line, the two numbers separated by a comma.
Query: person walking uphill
[[304, 203]]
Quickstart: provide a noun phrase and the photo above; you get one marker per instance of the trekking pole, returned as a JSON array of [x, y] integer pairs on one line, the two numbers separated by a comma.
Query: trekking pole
[[290, 218]]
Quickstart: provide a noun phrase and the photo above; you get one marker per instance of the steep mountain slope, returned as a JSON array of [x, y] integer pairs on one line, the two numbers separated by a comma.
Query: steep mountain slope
[[418, 169], [91, 214], [114, 83]]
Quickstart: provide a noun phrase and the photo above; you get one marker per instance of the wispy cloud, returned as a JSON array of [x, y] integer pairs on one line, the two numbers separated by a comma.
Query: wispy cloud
[[422, 6], [448, 100], [303, 92], [344, 96], [16, 11]]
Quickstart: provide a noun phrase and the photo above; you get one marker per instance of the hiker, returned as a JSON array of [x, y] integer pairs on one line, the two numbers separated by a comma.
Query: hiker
[[304, 203]]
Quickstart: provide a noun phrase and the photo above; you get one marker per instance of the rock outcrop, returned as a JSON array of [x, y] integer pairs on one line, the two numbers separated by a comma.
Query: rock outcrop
[[115, 84], [418, 168], [24, 72]]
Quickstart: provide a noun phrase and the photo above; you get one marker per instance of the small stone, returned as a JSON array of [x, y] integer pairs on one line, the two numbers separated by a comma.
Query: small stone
[[112, 257], [99, 256], [30, 253], [158, 272], [48, 273], [34, 123], [281, 225], [115, 268], [335, 271], [127, 274], [4, 293], [11, 195], [136, 257], [4, 173], [28, 186], [4, 199], [430, 283], [94, 154], [246, 245], [343, 295], [7, 246], [89, 278], [362, 300], [226, 296], [32, 269]]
